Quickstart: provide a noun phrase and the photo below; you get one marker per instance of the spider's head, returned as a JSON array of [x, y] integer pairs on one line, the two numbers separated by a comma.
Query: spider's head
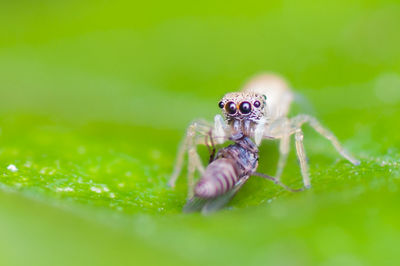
[[243, 110]]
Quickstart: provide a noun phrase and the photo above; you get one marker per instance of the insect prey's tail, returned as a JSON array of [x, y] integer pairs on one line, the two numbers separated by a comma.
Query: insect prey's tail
[[219, 177], [211, 205]]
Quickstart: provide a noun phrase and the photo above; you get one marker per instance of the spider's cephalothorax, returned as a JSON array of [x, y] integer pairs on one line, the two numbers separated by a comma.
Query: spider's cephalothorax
[[242, 111]]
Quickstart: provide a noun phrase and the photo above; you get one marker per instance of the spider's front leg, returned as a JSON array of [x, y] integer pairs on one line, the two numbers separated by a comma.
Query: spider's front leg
[[188, 145], [199, 132]]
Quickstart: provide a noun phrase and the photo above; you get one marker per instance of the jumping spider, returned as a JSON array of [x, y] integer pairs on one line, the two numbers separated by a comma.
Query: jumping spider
[[258, 111]]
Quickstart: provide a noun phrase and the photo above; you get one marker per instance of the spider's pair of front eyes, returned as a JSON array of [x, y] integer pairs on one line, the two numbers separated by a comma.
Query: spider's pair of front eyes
[[244, 107]]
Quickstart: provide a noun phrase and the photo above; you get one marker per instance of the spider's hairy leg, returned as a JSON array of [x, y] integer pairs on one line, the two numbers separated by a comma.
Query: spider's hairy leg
[[301, 155], [278, 182], [278, 129], [299, 120], [194, 162], [178, 163], [188, 145], [283, 128], [284, 146], [197, 134]]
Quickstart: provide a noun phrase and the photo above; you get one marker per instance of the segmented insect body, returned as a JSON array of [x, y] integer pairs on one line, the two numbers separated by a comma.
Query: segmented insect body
[[225, 175], [231, 164]]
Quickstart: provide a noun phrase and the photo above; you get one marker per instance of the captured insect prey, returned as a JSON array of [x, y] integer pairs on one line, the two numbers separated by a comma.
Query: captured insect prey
[[259, 111], [225, 175]]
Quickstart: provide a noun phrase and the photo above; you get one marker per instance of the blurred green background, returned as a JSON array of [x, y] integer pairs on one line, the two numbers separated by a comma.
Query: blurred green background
[[95, 97]]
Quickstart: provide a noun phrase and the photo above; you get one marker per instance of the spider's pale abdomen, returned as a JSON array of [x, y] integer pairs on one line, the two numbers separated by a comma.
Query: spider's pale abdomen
[[276, 89]]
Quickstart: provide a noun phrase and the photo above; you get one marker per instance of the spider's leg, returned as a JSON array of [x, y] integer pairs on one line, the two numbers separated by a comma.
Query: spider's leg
[[284, 146], [278, 182], [195, 135], [301, 155], [278, 129], [179, 162], [188, 145], [301, 119], [194, 163], [282, 129], [296, 124]]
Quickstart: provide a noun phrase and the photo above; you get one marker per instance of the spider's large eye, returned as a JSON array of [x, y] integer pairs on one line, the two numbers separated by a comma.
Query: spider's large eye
[[221, 104], [245, 107], [230, 107], [257, 104]]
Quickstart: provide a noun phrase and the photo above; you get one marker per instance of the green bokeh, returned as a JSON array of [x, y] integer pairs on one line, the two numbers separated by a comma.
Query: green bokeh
[[96, 95]]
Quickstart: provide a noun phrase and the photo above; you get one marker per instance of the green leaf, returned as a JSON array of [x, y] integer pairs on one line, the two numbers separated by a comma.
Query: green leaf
[[95, 98]]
